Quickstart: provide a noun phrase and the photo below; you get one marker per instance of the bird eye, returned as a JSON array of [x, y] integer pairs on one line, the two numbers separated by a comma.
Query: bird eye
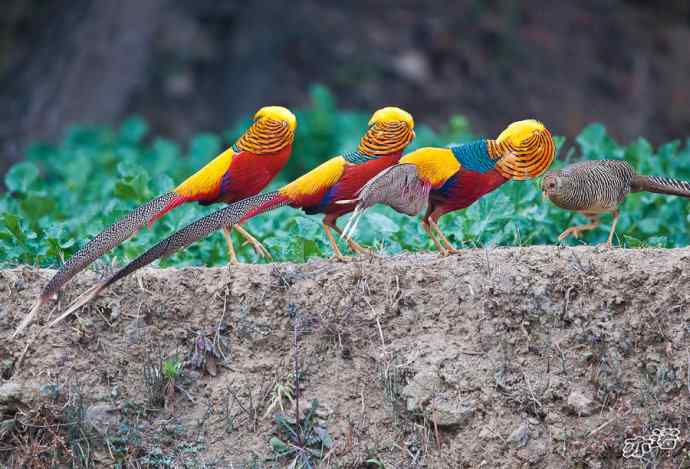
[[284, 123], [551, 185]]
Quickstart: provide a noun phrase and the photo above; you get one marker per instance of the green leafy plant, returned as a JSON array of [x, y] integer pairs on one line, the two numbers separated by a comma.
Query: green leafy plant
[[304, 442], [63, 194]]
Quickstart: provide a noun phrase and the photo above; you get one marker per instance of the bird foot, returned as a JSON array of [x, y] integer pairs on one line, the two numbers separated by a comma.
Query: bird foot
[[570, 231], [452, 250], [340, 258], [443, 252], [356, 248], [259, 249]]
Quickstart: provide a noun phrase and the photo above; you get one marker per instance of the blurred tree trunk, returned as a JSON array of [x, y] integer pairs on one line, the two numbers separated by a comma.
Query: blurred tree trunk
[[70, 60], [256, 56]]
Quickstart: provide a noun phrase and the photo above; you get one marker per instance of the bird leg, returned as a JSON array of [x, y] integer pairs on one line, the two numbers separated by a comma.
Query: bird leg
[[616, 214], [577, 230], [336, 250], [231, 248], [427, 228], [258, 247], [351, 243], [449, 247]]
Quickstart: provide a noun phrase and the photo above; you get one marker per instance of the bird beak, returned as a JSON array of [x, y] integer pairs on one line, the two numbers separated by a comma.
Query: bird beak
[[543, 195]]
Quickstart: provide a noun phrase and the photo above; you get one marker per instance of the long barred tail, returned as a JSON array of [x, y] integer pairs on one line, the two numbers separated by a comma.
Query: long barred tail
[[228, 216], [661, 185], [109, 238], [102, 243], [231, 215]]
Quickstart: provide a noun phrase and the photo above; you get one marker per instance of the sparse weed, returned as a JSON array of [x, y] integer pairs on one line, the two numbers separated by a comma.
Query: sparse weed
[[160, 377], [304, 441], [50, 434]]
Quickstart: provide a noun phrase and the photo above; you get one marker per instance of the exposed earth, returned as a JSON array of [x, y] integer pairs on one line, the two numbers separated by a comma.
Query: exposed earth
[[509, 357]]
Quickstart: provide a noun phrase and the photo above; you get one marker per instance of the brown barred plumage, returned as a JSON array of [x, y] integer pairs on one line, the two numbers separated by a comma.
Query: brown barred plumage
[[384, 138], [526, 160], [600, 186], [265, 136]]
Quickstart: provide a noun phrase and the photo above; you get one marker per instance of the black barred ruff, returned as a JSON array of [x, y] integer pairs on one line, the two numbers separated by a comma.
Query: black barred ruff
[[525, 160], [265, 136], [384, 138]]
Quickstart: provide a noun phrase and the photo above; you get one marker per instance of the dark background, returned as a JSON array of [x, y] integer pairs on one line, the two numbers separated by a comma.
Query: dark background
[[189, 66]]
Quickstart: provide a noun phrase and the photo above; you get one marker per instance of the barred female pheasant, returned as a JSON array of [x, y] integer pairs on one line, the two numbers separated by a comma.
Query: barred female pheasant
[[600, 186], [241, 171], [449, 179]]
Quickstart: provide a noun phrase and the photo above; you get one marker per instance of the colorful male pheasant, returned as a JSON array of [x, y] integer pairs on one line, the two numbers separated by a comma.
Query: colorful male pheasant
[[241, 171], [600, 186], [449, 179], [319, 191]]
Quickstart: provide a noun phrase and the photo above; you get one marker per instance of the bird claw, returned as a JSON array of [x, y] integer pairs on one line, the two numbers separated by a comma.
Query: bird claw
[[570, 231], [234, 261], [450, 249], [340, 258], [443, 252], [356, 248], [259, 249]]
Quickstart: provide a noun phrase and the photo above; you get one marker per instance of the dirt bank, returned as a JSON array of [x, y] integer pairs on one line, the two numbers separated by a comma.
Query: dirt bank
[[532, 357]]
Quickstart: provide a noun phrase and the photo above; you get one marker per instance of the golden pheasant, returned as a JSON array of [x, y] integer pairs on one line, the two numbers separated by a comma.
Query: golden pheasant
[[449, 179], [319, 191], [241, 171], [600, 186]]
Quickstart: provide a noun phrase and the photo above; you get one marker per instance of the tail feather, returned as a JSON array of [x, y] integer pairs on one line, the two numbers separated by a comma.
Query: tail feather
[[399, 187], [231, 215], [102, 243], [174, 202], [661, 185], [29, 317], [108, 239]]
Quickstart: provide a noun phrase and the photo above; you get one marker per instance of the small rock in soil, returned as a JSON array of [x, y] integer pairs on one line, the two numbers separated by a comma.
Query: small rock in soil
[[13, 395], [101, 417], [580, 404], [451, 413], [519, 436], [420, 390]]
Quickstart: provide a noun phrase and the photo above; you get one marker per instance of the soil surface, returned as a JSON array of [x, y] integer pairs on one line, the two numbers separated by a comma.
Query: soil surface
[[509, 357]]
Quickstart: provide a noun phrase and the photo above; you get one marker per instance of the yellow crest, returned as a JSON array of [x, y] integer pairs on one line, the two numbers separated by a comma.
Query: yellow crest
[[277, 113], [392, 114], [520, 131]]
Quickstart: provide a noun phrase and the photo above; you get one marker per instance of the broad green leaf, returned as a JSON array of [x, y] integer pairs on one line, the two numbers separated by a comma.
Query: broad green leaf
[[12, 223], [133, 129], [21, 176], [35, 206], [203, 148], [382, 223]]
